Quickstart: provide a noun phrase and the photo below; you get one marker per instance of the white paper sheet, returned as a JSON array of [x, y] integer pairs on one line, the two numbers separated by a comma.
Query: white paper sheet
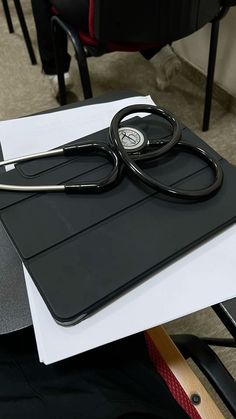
[[37, 133], [203, 277]]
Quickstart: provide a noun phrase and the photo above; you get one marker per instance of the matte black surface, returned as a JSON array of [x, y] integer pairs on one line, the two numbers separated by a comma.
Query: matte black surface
[[14, 307], [83, 250], [115, 381], [152, 22]]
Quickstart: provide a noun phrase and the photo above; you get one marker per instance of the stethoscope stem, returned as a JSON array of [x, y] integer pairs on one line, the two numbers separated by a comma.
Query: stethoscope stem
[[35, 156], [70, 150], [46, 188]]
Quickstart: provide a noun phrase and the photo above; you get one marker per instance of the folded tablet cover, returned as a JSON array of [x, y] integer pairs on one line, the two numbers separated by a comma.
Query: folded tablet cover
[[84, 250]]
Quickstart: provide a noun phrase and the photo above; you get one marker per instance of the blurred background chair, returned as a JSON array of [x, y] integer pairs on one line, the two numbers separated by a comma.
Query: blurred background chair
[[136, 25], [23, 25], [200, 351], [169, 354]]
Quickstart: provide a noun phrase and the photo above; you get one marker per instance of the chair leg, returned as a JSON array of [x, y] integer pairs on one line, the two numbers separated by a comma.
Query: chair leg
[[80, 57], [8, 16], [24, 28], [206, 359], [210, 73], [60, 74], [83, 67]]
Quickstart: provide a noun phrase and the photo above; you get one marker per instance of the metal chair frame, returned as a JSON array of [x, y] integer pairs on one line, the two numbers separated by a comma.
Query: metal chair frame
[[198, 349], [82, 52], [23, 25]]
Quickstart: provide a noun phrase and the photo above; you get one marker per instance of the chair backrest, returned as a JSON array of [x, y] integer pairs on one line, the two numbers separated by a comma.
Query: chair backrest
[[148, 21], [132, 25]]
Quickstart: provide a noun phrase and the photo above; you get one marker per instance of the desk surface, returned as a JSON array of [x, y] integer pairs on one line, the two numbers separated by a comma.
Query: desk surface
[[16, 314]]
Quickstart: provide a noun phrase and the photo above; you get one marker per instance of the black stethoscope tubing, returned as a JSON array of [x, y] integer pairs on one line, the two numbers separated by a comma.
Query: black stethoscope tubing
[[119, 157], [175, 191], [130, 158], [71, 150], [129, 110]]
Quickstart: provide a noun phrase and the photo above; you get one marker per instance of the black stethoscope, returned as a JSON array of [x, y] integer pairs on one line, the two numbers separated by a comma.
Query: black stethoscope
[[128, 145], [149, 150]]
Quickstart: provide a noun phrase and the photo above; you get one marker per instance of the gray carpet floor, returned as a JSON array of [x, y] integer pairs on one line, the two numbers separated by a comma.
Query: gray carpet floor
[[25, 90]]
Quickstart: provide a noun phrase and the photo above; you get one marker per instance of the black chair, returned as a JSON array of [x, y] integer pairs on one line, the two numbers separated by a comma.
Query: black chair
[[117, 21], [23, 25], [199, 350]]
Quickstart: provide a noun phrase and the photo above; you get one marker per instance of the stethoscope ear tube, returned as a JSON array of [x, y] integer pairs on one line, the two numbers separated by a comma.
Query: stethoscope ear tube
[[71, 150], [130, 159], [101, 184]]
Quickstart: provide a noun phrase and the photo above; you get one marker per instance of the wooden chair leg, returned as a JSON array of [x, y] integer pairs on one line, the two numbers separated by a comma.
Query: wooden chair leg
[[206, 407], [205, 358]]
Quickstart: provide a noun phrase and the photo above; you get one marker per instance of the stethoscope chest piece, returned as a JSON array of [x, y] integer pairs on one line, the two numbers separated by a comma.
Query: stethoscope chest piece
[[132, 139]]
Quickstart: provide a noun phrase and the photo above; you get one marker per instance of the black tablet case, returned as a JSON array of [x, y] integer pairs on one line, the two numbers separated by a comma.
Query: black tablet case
[[84, 250]]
